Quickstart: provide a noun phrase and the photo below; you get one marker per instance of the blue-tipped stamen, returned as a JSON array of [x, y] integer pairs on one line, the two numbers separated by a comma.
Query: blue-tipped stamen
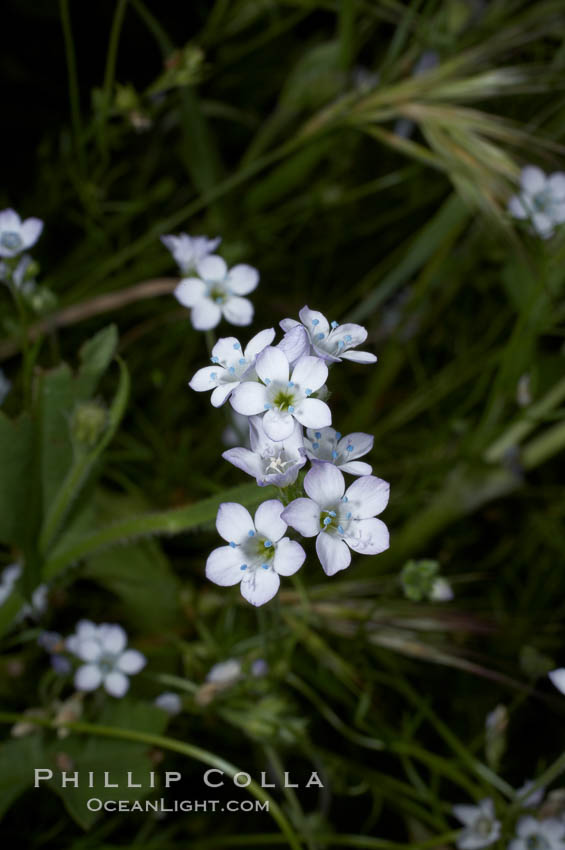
[[334, 325], [290, 408], [232, 544], [350, 448], [251, 533], [327, 520], [267, 544], [315, 446], [243, 567], [318, 435], [320, 336], [308, 392], [340, 529], [291, 383], [315, 322], [265, 566], [237, 346], [213, 376]]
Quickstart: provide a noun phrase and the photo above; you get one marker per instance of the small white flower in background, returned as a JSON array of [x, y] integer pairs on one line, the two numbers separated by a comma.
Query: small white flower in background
[[529, 800], [169, 702], [8, 581], [268, 461], [558, 678], [107, 661], [19, 276], [441, 591], [230, 365], [259, 667], [524, 390], [534, 834], [284, 400], [188, 251], [541, 200], [315, 335], [257, 553], [17, 235], [5, 386], [224, 672], [328, 445], [481, 826], [217, 292], [340, 519]]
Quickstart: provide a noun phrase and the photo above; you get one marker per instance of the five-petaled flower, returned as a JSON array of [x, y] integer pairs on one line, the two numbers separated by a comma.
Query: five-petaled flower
[[340, 519], [230, 365], [188, 251], [270, 462], [107, 662], [17, 235], [257, 552], [481, 826], [217, 292], [328, 445], [315, 335], [284, 397], [534, 834], [541, 200]]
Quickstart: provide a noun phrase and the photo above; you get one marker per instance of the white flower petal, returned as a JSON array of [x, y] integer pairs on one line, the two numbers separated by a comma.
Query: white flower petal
[[190, 291], [131, 661], [370, 537], [213, 269], [272, 365], [245, 460], [288, 324], [558, 212], [315, 321], [295, 343], [88, 677], [289, 557], [249, 398], [518, 208], [113, 638], [31, 231], [557, 677], [223, 566], [88, 649], [169, 702], [238, 311], [116, 684], [466, 814], [259, 586], [543, 225], [233, 522], [359, 356], [224, 672], [533, 179], [313, 413], [10, 220], [221, 394], [324, 483], [242, 279], [333, 553], [205, 315], [205, 379], [359, 442], [556, 185], [257, 343], [278, 426], [356, 467], [268, 520], [310, 373], [304, 516], [370, 496], [227, 351], [350, 334]]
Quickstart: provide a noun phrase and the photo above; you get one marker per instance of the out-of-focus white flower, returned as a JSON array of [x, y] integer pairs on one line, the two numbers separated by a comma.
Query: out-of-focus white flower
[[541, 200], [107, 661], [8, 581], [340, 519], [5, 386], [217, 292], [224, 672], [529, 800], [257, 554], [230, 366], [17, 235], [524, 390], [169, 702], [328, 445], [534, 834], [558, 678], [481, 826], [315, 335], [268, 461], [441, 591], [188, 251], [282, 400]]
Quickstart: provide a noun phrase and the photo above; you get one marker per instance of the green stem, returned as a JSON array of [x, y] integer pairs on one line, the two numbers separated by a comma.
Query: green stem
[[110, 70], [74, 97], [171, 744]]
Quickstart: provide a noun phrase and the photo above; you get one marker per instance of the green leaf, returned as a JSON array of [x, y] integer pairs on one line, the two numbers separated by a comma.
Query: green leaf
[[18, 759], [96, 355], [16, 456]]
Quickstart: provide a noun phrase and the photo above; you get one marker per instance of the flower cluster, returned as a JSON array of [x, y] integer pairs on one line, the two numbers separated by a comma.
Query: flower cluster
[[541, 200], [282, 391], [105, 659]]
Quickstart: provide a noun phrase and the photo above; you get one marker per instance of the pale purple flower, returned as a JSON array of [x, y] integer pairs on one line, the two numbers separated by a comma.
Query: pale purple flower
[[256, 554], [230, 365], [217, 292], [284, 398], [529, 799], [558, 678], [8, 580], [546, 834], [107, 662], [259, 667], [315, 335], [541, 200], [481, 826], [17, 235], [268, 461], [340, 519], [328, 445], [224, 672], [170, 702], [188, 251], [441, 590]]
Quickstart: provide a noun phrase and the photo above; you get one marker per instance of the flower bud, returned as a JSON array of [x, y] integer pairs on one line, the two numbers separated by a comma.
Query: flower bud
[[89, 422]]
